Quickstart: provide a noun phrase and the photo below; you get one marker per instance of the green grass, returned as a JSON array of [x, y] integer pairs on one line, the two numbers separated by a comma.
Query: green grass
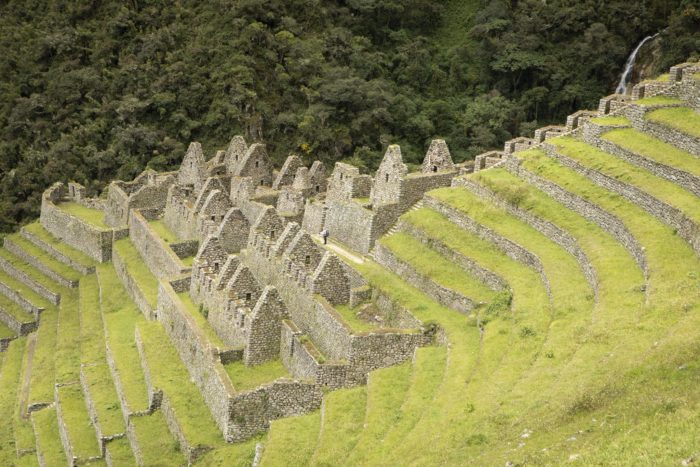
[[120, 452], [683, 119], [163, 231], [611, 166], [187, 262], [199, 318], [21, 423], [661, 78], [10, 382], [94, 217], [386, 390], [169, 374], [92, 338], [59, 268], [611, 121], [43, 364], [29, 294], [654, 149], [31, 271], [658, 100], [75, 416], [433, 265], [15, 311], [343, 414], [245, 377], [356, 323], [42, 234], [5, 332], [48, 440], [232, 455], [146, 281], [68, 341], [104, 398], [291, 441], [120, 317], [157, 445]]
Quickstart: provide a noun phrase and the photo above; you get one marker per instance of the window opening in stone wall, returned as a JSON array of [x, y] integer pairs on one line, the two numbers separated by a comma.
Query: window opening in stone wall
[[216, 266], [213, 218], [272, 234], [341, 176], [307, 260], [262, 182], [257, 163], [435, 168], [386, 177], [318, 188], [248, 296]]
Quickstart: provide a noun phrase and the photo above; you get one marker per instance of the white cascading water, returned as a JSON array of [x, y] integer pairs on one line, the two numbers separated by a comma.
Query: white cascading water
[[629, 65]]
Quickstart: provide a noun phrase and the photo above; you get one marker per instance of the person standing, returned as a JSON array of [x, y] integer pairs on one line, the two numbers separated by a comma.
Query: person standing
[[324, 235]]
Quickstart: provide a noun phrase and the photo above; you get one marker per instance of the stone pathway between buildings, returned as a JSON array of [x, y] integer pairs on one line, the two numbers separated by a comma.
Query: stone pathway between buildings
[[336, 248]]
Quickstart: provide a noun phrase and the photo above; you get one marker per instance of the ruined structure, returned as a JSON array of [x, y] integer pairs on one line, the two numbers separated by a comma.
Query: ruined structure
[[240, 278]]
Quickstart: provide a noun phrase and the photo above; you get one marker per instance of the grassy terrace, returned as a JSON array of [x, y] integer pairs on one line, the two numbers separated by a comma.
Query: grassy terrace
[[353, 320], [29, 294], [245, 377], [158, 447], [43, 364], [120, 317], [654, 149], [10, 373], [75, 416], [344, 413], [119, 450], [620, 279], [169, 374], [386, 391], [662, 189], [664, 323], [201, 321], [291, 441], [683, 119], [42, 234], [94, 217], [15, 311], [30, 271], [5, 332], [48, 440], [433, 265], [94, 359], [611, 121], [146, 281], [187, 262], [59, 268], [163, 231], [658, 100]]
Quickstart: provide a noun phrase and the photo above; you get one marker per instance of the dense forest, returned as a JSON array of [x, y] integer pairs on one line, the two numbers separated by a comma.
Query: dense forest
[[97, 90]]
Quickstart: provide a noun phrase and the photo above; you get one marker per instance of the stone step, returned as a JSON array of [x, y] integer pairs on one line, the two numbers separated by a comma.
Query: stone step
[[342, 416], [16, 318], [18, 292], [29, 276], [63, 253], [47, 265], [77, 433]]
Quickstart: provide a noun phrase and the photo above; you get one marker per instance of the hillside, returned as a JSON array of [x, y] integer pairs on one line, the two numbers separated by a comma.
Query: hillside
[[100, 91], [540, 307]]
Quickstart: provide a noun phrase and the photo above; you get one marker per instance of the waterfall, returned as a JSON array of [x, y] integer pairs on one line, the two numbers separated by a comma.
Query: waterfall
[[629, 65]]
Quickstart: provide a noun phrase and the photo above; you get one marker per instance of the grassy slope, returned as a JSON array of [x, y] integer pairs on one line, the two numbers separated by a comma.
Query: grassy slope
[[683, 119], [663, 323], [654, 149], [10, 373]]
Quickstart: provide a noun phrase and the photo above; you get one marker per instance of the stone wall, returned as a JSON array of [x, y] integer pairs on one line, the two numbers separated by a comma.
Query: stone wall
[[685, 227], [157, 255], [592, 135], [443, 295], [56, 254], [546, 228], [489, 278], [94, 242], [132, 287], [18, 251], [24, 278], [350, 223], [19, 299], [21, 328], [590, 211], [509, 247]]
